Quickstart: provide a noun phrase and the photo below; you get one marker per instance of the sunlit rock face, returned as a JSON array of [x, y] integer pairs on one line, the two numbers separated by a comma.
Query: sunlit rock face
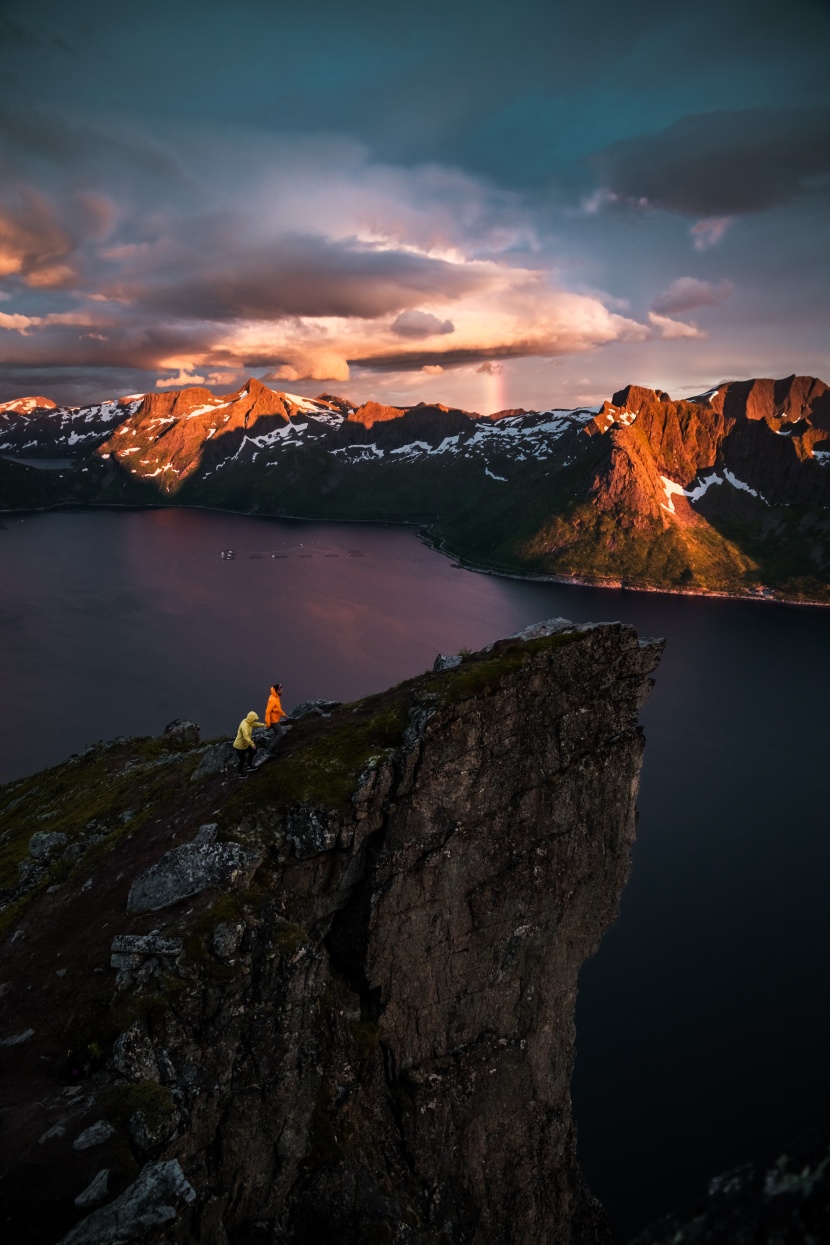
[[34, 426], [726, 492], [366, 1034]]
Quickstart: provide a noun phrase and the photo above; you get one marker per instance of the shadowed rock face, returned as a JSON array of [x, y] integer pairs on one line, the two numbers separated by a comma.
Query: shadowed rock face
[[374, 1041]]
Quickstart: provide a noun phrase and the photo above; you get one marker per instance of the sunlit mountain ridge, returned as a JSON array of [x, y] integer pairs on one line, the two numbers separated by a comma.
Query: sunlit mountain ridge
[[728, 491]]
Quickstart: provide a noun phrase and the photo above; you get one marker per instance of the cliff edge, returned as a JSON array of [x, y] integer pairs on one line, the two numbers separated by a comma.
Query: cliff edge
[[332, 1002]]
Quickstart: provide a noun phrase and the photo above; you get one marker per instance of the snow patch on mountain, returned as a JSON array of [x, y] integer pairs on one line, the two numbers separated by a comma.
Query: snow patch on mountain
[[700, 487]]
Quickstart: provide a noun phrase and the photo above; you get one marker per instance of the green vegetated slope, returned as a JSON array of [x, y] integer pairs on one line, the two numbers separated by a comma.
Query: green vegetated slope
[[789, 545], [129, 795], [96, 800]]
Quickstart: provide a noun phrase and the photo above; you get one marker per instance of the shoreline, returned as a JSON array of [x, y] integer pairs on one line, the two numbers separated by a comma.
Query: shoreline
[[424, 533]]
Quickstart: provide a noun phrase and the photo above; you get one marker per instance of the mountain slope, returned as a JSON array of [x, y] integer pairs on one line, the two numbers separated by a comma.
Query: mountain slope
[[725, 492], [36, 426]]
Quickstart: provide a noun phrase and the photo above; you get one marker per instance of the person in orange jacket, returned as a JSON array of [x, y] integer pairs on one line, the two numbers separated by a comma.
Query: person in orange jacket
[[274, 712]]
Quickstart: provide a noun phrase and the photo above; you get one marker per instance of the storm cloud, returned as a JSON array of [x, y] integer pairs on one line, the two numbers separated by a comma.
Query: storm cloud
[[723, 163], [416, 323], [292, 276]]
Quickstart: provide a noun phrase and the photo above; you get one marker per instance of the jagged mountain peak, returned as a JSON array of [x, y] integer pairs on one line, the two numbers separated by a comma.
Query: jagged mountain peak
[[633, 397]]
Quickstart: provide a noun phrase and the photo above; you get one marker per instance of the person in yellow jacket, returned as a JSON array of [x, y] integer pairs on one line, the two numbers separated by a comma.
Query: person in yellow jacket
[[274, 712], [244, 742]]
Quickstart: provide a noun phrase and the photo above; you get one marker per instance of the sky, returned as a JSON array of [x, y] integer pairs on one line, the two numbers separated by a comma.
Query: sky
[[492, 205]]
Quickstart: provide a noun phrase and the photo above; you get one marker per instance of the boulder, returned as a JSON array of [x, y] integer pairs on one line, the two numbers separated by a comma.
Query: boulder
[[445, 661], [311, 830], [151, 1202], [316, 707], [95, 1135], [538, 631], [182, 731], [138, 957], [152, 1128], [226, 938], [18, 1038], [46, 844], [130, 950], [133, 1054], [215, 760], [190, 869], [95, 1191]]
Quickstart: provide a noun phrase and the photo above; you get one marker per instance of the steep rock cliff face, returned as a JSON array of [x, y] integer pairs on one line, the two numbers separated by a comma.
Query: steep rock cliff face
[[369, 1037], [726, 492]]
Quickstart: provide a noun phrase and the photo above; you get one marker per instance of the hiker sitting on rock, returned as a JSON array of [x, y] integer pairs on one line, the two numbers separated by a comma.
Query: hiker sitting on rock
[[244, 742], [274, 711]]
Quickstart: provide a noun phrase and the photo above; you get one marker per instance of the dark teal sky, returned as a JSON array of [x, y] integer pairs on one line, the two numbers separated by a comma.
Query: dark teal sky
[[585, 195]]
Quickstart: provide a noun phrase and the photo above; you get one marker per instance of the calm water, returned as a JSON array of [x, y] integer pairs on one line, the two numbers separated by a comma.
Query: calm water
[[704, 1022]]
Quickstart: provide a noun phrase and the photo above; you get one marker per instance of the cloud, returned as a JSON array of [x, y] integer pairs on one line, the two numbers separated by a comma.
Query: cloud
[[709, 232], [180, 380], [338, 263], [212, 276], [16, 323], [670, 330], [517, 313], [34, 244], [720, 164], [23, 324], [309, 364], [432, 369], [223, 378], [687, 293], [415, 323], [491, 369]]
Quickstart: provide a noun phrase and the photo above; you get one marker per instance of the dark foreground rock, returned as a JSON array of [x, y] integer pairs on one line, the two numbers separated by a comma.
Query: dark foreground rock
[[192, 868], [786, 1202], [371, 1039], [147, 1205]]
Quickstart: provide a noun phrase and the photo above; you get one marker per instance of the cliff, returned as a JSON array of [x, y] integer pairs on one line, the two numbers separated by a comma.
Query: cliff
[[333, 1001]]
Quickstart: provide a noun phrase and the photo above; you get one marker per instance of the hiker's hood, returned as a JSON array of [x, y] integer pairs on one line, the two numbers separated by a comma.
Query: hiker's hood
[[250, 717]]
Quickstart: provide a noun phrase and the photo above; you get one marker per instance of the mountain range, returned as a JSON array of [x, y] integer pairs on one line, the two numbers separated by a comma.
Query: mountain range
[[726, 492]]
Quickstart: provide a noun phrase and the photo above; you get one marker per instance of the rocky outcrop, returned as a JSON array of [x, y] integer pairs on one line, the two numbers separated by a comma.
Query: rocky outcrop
[[372, 1040], [148, 1207], [784, 1202], [192, 868]]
